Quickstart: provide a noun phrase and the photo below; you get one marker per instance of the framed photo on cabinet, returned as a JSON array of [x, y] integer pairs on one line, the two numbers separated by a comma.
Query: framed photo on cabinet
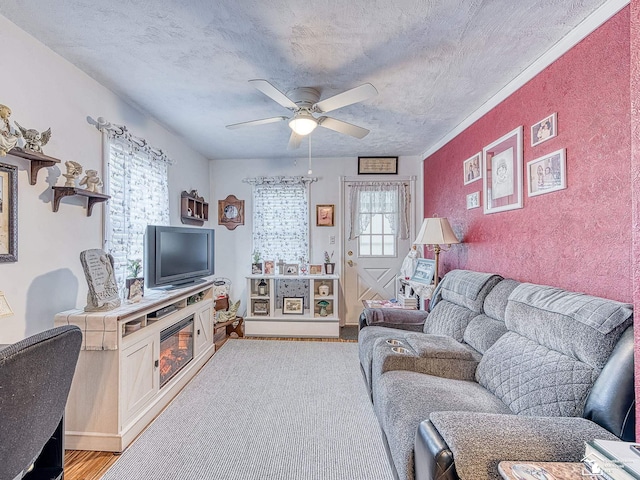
[[502, 179]]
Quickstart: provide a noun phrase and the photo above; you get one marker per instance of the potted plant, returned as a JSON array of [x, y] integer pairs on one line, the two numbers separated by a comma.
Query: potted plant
[[256, 266], [329, 266], [134, 282]]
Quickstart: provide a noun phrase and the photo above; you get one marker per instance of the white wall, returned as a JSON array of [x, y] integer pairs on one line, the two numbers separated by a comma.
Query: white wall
[[234, 247], [43, 90]]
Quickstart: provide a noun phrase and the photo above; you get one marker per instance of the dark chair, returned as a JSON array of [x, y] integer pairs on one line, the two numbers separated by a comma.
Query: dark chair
[[35, 378]]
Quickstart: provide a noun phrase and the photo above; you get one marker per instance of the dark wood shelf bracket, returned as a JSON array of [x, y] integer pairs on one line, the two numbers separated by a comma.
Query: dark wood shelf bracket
[[36, 162], [93, 197]]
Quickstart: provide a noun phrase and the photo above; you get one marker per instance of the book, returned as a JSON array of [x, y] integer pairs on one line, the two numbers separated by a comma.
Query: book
[[613, 459]]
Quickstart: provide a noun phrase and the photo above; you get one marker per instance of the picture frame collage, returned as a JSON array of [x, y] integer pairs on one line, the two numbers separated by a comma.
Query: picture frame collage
[[501, 168]]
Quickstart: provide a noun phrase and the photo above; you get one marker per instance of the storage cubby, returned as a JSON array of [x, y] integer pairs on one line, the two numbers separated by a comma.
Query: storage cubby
[[193, 209], [317, 318]]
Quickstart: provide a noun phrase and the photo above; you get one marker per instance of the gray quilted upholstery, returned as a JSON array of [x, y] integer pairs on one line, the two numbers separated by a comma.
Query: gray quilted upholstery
[[448, 319], [534, 380]]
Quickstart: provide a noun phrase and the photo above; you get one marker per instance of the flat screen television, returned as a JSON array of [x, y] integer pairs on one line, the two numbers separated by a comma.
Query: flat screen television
[[176, 257]]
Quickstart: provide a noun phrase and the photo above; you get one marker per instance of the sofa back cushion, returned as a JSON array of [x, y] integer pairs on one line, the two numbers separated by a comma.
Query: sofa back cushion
[[457, 299], [485, 329], [556, 345]]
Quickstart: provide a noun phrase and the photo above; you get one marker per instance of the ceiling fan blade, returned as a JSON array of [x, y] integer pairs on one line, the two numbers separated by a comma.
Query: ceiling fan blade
[[294, 141], [256, 122], [273, 93], [343, 127], [343, 99]]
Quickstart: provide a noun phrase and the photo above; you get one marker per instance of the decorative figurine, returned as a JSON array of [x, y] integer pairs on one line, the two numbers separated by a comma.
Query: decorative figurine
[[34, 140], [91, 180], [8, 140], [74, 169]]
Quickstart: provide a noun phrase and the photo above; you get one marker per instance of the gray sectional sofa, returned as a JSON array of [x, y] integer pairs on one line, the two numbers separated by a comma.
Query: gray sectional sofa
[[502, 370]]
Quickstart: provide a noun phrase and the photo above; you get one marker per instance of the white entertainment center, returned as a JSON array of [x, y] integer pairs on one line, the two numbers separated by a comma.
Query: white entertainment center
[[314, 302], [134, 361]]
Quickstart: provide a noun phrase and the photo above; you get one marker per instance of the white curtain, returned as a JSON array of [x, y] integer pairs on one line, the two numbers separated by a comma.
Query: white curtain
[[387, 198], [281, 217], [137, 180]]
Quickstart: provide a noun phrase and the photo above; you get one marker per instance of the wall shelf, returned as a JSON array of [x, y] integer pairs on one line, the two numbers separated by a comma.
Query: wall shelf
[[36, 162], [93, 197], [193, 209]]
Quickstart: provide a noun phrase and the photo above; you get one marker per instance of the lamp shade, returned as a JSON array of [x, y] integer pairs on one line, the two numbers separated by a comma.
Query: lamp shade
[[436, 231], [303, 123]]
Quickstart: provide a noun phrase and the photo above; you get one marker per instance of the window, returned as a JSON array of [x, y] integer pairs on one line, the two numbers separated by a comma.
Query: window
[[281, 217], [379, 217], [137, 180]]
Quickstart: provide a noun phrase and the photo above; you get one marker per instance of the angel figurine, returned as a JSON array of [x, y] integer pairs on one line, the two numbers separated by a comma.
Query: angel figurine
[[74, 169], [34, 140], [8, 140], [91, 180]]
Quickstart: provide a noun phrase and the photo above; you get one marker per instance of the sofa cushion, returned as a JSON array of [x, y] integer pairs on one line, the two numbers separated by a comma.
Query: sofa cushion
[[557, 343], [465, 288], [404, 399], [449, 319], [581, 326], [484, 329], [533, 379]]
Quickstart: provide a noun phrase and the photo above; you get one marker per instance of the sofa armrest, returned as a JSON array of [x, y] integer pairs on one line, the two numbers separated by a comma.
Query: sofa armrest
[[437, 355], [395, 318], [479, 441]]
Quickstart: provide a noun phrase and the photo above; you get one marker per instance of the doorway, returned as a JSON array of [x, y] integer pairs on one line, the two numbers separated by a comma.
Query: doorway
[[378, 227]]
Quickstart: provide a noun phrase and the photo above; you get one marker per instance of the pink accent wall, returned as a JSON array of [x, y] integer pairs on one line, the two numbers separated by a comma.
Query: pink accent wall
[[635, 176], [579, 238]]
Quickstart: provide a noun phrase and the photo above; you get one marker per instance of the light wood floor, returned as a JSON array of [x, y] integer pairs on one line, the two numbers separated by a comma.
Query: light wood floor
[[84, 465]]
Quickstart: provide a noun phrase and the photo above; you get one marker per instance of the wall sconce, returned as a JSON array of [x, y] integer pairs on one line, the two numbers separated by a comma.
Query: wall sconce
[[433, 233], [5, 309]]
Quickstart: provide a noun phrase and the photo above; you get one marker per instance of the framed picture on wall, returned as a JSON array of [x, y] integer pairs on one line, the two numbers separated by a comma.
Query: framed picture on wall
[[473, 168], [324, 215], [377, 165], [502, 179], [8, 213], [544, 130], [473, 200], [547, 173]]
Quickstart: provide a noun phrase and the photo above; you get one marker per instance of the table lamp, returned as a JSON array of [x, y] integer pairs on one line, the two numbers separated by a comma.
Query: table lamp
[[433, 233]]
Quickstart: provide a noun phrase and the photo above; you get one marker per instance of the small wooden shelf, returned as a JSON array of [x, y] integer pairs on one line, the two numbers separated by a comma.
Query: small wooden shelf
[[36, 161], [94, 197], [197, 206]]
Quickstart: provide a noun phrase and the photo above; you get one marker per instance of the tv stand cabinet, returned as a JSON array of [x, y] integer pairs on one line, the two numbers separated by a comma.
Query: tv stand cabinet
[[116, 389]]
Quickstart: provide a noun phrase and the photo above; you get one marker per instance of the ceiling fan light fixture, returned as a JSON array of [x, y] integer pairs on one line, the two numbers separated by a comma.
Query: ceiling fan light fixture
[[303, 123]]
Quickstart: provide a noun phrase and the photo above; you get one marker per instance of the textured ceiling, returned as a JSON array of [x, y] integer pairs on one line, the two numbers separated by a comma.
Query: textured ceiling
[[187, 62]]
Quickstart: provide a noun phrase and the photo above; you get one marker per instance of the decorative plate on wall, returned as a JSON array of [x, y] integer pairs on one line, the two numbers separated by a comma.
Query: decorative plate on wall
[[231, 212]]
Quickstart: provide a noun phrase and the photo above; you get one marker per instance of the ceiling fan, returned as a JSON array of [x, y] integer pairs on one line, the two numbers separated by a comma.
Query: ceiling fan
[[304, 102]]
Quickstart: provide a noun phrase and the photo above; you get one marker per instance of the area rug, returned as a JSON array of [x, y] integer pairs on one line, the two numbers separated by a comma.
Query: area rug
[[265, 410]]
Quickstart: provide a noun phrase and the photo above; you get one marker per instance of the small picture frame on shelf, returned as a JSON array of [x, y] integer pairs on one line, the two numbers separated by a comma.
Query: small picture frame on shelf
[[315, 269], [269, 267], [291, 269], [293, 305], [424, 271], [261, 307]]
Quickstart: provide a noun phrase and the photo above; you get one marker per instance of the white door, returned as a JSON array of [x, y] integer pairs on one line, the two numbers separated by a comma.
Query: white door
[[372, 260]]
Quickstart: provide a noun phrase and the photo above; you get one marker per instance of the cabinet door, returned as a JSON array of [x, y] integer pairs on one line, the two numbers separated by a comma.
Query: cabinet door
[[140, 377], [203, 332]]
